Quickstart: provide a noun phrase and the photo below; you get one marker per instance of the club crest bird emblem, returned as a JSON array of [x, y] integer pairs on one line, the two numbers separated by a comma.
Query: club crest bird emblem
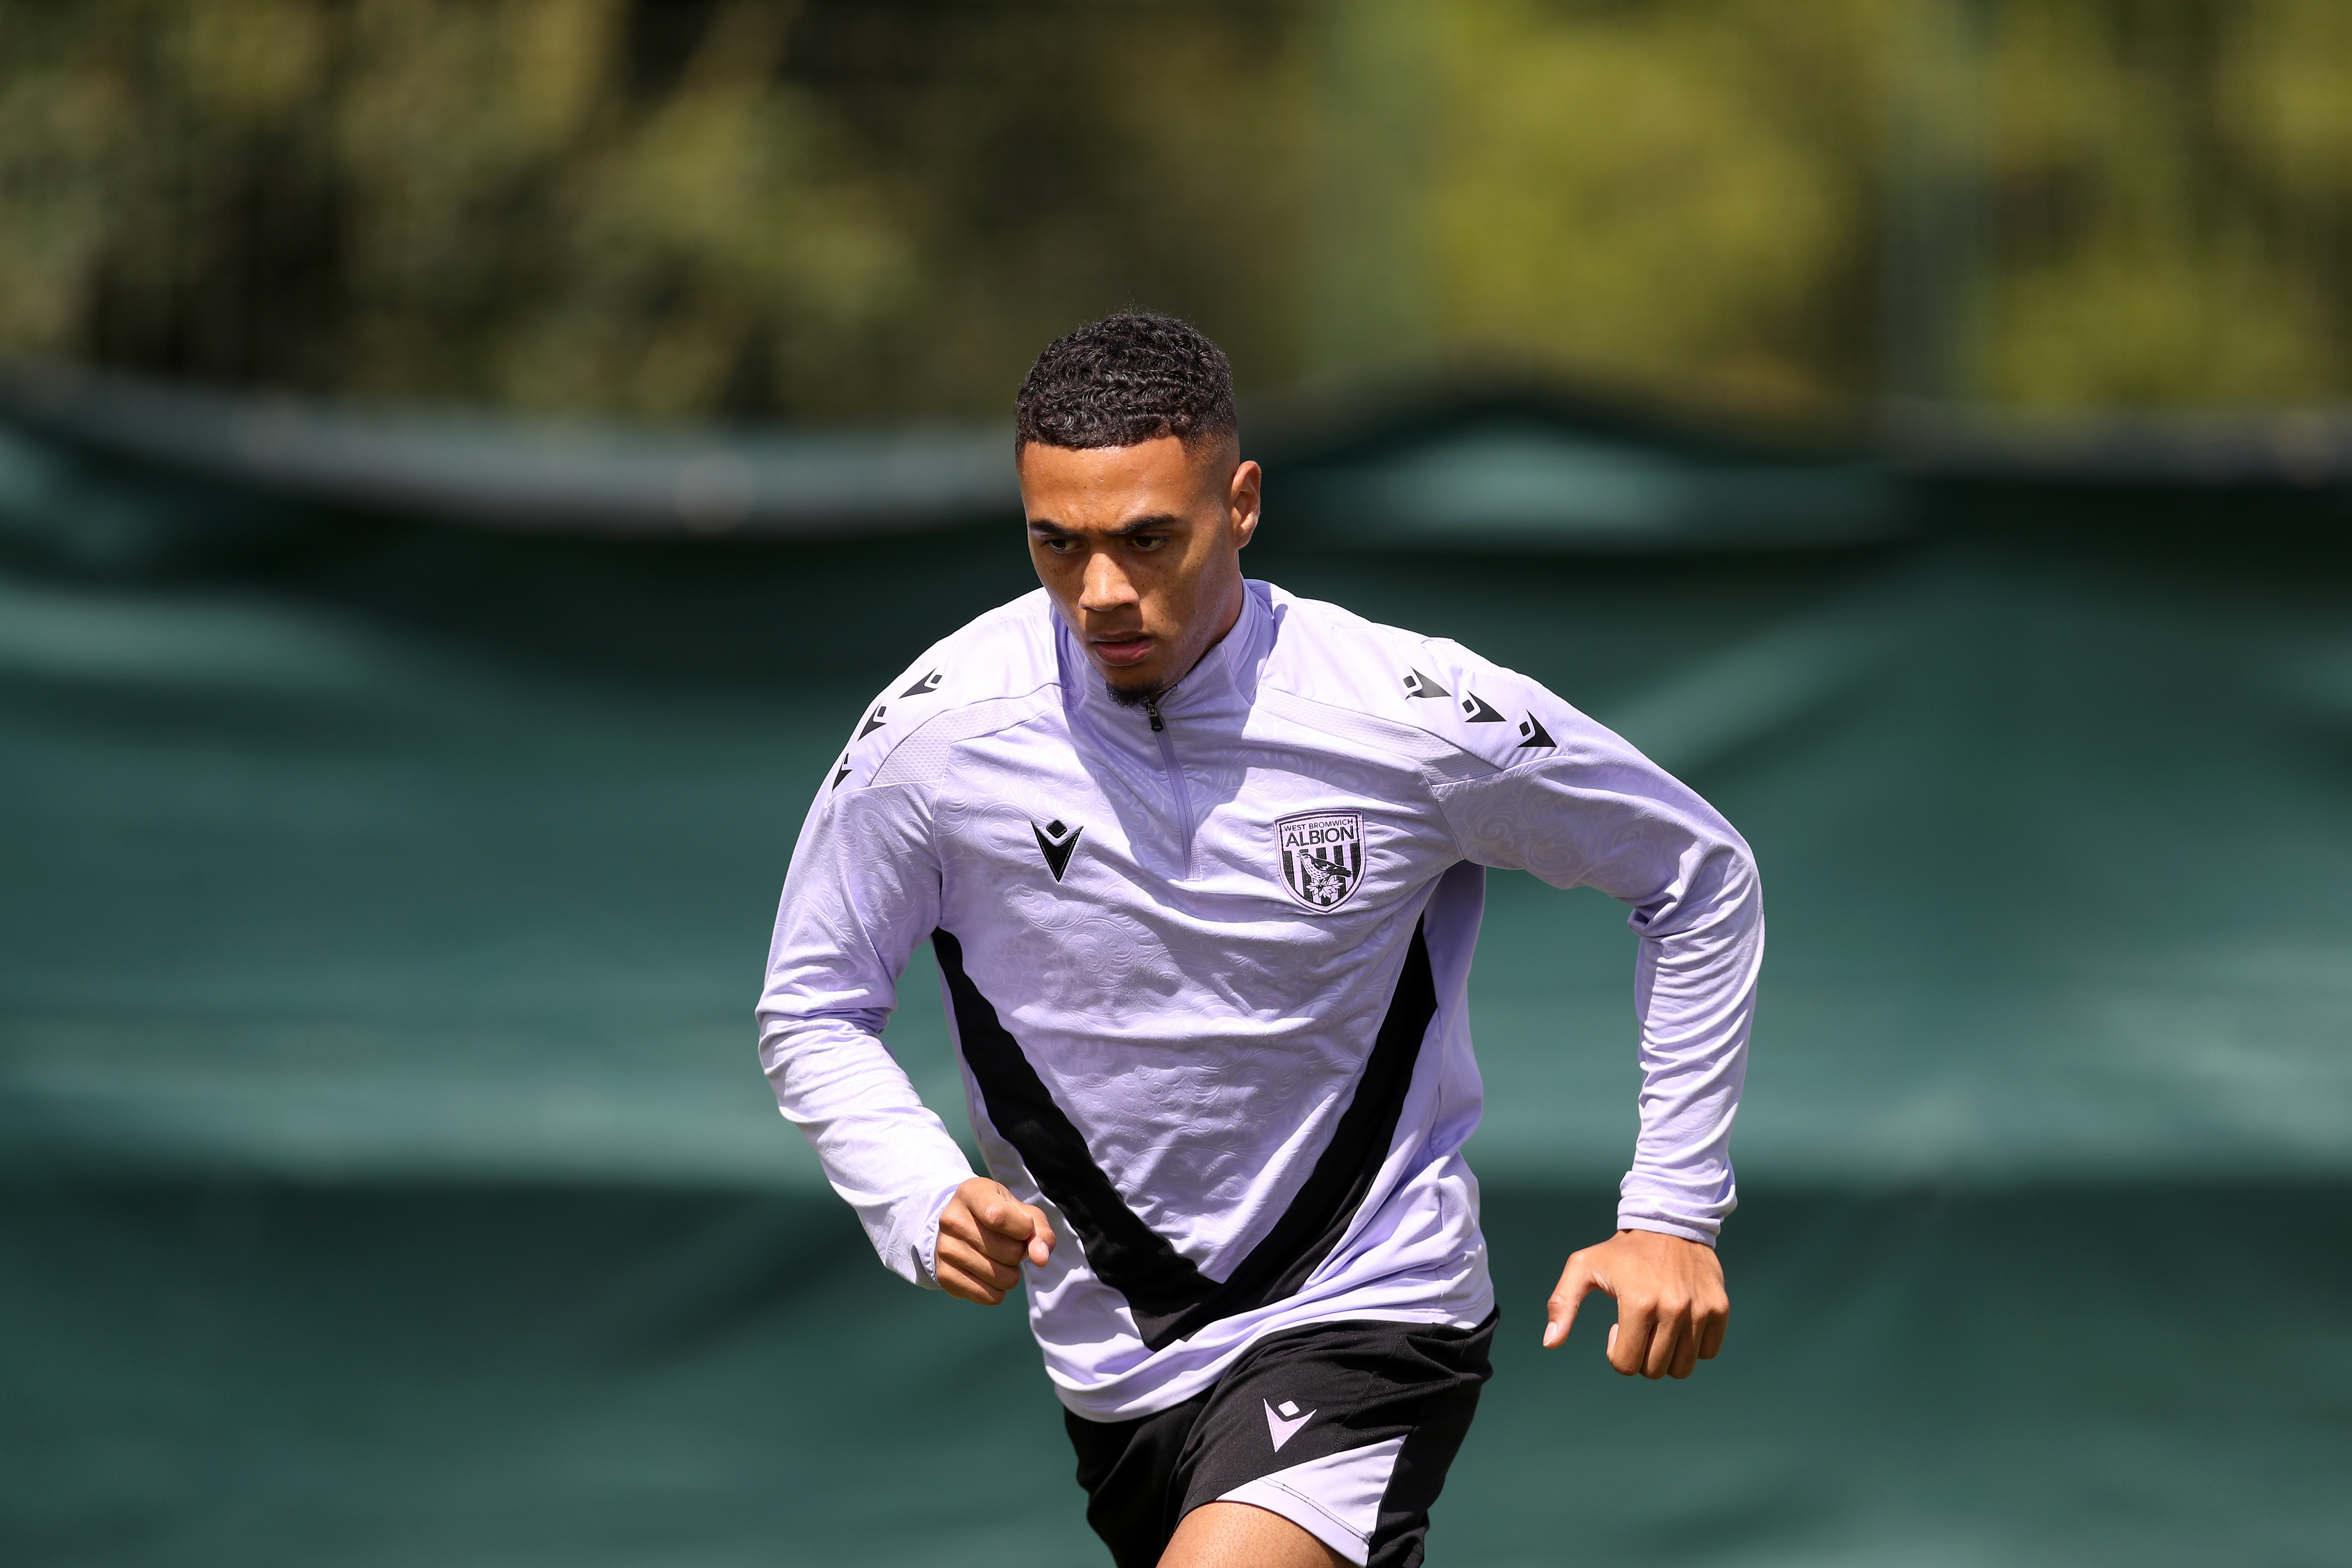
[[1322, 856]]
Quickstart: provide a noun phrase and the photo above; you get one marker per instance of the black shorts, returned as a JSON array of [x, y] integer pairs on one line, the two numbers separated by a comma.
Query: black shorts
[[1345, 1429]]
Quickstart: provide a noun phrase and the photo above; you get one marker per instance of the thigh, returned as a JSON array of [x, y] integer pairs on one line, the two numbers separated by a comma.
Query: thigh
[[1239, 1535], [1345, 1429]]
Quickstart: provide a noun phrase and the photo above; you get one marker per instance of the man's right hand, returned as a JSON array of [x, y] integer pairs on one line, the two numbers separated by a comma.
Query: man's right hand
[[984, 1233]]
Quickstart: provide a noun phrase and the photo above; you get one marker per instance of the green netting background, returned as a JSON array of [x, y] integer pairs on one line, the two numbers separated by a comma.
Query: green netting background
[[385, 1176]]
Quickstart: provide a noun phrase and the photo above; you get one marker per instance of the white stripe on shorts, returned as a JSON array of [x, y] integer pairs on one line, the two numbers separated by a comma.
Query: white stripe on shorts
[[1336, 1499]]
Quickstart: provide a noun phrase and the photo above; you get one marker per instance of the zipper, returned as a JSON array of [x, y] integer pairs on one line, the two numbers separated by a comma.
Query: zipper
[[1175, 779]]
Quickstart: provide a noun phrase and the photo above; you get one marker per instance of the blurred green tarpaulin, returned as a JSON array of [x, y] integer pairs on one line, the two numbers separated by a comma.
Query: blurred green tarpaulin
[[388, 1178]]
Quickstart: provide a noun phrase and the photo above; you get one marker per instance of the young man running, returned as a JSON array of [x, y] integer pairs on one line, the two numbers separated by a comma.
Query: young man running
[[1203, 865]]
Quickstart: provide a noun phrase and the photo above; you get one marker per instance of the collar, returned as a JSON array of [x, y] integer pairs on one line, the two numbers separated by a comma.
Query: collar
[[1227, 676]]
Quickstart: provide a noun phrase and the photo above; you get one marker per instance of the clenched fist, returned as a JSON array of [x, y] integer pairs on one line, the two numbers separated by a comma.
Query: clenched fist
[[1671, 1306], [984, 1233]]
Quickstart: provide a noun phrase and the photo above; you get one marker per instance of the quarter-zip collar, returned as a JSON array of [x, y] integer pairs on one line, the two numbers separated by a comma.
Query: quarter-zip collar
[[1219, 687], [1161, 749], [1219, 690]]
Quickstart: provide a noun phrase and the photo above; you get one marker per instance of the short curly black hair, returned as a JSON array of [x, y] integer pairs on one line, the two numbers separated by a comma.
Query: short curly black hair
[[1131, 377]]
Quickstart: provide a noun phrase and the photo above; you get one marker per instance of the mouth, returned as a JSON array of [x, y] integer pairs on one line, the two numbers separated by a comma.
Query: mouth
[[1124, 650]]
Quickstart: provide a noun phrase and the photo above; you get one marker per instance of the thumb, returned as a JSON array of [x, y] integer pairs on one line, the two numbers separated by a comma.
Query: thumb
[[1042, 1238], [1576, 1281]]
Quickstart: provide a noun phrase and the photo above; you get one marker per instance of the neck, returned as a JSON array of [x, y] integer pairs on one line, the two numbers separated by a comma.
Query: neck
[[1227, 619]]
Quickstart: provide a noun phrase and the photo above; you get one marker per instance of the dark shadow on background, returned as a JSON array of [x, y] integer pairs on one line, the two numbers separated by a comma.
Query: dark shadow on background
[[275, 1374]]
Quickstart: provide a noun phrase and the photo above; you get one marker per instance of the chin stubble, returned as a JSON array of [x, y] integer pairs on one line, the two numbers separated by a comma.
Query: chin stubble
[[1135, 698]]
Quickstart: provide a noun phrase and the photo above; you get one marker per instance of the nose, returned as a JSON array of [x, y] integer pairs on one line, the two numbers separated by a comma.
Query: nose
[[1105, 587]]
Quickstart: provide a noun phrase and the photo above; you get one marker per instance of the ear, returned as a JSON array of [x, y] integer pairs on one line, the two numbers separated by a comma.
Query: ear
[[1242, 501]]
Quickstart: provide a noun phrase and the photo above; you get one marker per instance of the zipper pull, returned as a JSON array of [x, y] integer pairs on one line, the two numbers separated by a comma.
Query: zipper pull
[[1152, 707]]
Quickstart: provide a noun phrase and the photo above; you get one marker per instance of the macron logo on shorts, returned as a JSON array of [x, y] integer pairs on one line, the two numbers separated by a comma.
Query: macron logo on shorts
[[1280, 1429]]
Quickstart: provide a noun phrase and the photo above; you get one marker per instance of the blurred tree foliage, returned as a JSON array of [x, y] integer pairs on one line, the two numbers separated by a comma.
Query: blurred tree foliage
[[1676, 194], [743, 207], [2174, 189], [858, 207]]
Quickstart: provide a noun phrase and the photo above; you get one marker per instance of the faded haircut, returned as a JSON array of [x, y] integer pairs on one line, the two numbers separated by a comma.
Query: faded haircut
[[1133, 377]]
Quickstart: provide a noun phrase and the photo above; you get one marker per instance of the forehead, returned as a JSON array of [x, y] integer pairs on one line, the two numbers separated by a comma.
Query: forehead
[[1106, 486]]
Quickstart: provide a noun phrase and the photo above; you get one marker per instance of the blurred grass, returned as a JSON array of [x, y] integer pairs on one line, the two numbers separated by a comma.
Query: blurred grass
[[2052, 1376]]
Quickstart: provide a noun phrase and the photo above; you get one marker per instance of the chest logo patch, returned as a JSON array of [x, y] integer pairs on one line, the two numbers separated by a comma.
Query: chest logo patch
[[1057, 841], [1322, 856]]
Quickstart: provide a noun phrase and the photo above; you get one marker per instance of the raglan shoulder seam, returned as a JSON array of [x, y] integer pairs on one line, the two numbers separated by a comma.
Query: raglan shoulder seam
[[1385, 714], [1453, 749], [1021, 710], [964, 707], [1398, 642], [884, 732]]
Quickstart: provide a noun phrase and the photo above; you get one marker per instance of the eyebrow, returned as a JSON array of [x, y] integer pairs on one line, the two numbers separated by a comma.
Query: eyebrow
[[1141, 525]]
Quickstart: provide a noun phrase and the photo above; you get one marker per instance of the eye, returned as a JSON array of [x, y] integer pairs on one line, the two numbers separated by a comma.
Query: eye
[[1148, 541], [1059, 546]]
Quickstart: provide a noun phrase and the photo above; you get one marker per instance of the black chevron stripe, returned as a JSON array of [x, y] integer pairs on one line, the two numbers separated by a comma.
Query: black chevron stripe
[[1123, 1251], [1169, 1295]]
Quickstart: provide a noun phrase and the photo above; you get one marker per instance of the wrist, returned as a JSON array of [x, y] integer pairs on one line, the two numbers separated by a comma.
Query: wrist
[[1653, 1226]]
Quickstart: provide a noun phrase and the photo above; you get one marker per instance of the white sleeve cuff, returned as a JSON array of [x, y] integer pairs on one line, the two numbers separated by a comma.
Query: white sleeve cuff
[[1664, 1227], [922, 1247]]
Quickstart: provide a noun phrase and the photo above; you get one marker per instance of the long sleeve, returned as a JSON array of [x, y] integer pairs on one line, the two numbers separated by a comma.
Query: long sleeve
[[864, 889], [1591, 811]]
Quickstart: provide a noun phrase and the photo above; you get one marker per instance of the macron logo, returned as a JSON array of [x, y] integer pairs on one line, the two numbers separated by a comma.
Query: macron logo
[[1280, 1429]]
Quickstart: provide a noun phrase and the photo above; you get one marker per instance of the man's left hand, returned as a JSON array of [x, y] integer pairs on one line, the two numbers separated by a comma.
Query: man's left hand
[[1672, 1308]]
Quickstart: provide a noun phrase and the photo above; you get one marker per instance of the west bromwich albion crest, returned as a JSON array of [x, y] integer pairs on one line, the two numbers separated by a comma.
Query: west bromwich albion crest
[[1322, 856]]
